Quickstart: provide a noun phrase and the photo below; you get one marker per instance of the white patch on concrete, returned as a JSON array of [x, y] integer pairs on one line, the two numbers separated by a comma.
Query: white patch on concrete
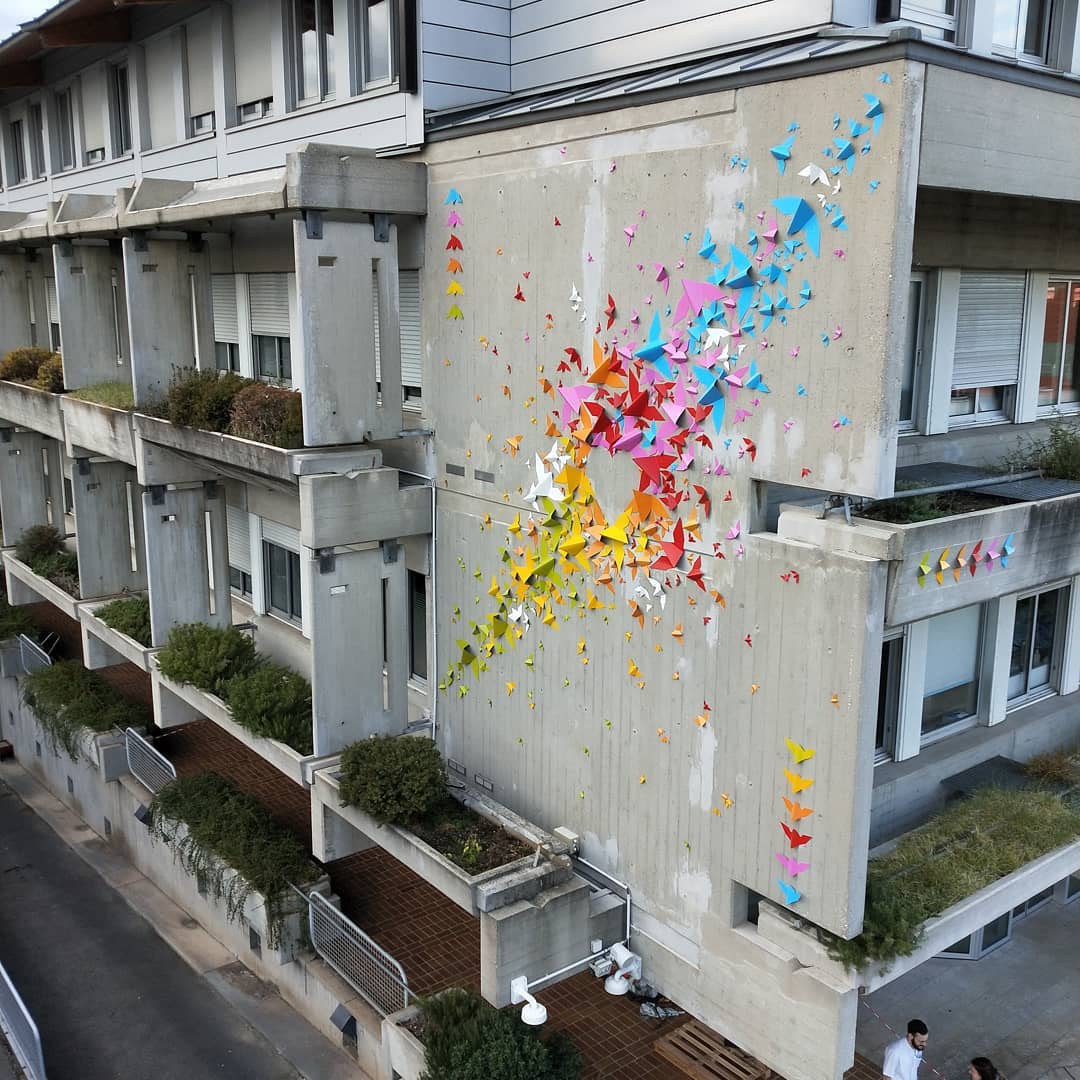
[[604, 853], [700, 781], [695, 888]]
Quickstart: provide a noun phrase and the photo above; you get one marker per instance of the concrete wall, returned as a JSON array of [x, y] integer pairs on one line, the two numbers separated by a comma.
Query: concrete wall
[[14, 303]]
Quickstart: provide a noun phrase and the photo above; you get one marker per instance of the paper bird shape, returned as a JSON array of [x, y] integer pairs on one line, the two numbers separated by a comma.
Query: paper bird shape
[[799, 752], [791, 894], [815, 174], [453, 198], [792, 866], [795, 838], [798, 783], [782, 153], [796, 810], [802, 220]]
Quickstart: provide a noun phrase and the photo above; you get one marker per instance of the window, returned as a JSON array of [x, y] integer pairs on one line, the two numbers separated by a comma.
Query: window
[[254, 110], [94, 101], [375, 25], [31, 309], [1037, 634], [239, 540], [1032, 903], [199, 63], [272, 358], [95, 156], [418, 625], [282, 572], [1059, 373], [121, 110], [119, 322], [65, 131], [987, 938], [37, 141], [268, 302], [54, 314], [1072, 885], [227, 355], [240, 581], [313, 42], [989, 340], [202, 124], [1022, 27], [889, 692], [909, 373], [16, 153], [937, 18], [412, 368], [951, 687]]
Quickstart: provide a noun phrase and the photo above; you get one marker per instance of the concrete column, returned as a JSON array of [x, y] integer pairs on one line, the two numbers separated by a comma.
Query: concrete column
[[14, 303], [996, 658], [167, 288], [22, 482], [346, 647], [84, 295], [1027, 389], [178, 567], [102, 527], [334, 365], [54, 484], [1069, 679], [332, 837]]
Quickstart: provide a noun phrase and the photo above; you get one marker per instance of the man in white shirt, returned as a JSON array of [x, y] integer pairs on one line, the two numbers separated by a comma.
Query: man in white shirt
[[903, 1057]]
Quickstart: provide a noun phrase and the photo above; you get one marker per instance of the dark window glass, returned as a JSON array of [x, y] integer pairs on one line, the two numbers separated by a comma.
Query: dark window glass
[[282, 580], [122, 105], [417, 625]]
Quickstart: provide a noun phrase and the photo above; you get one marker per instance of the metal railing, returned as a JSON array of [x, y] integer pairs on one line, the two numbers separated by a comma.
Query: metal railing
[[151, 768], [32, 656], [370, 969], [20, 1030]]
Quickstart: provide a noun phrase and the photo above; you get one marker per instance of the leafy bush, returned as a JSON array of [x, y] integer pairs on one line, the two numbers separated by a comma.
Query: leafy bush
[[50, 375], [228, 828], [61, 568], [396, 780], [38, 542], [968, 846], [117, 393], [130, 615], [466, 1039], [273, 702], [268, 414], [207, 656], [67, 699], [202, 399], [1058, 455], [23, 364], [1060, 768], [14, 621]]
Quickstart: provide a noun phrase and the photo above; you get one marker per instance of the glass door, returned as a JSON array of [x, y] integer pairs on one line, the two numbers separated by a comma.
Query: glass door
[[1036, 634]]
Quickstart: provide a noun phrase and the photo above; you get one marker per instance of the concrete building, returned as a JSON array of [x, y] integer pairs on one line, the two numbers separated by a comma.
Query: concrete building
[[610, 324]]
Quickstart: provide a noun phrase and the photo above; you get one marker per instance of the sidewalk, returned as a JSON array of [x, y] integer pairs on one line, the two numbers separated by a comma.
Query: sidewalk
[[256, 1023]]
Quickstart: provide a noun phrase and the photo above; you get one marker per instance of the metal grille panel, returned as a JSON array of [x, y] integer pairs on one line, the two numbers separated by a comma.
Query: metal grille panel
[[147, 765], [371, 970], [20, 1030], [32, 655]]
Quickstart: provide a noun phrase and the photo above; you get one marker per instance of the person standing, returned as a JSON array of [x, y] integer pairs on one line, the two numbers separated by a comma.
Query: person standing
[[982, 1068], [904, 1056]]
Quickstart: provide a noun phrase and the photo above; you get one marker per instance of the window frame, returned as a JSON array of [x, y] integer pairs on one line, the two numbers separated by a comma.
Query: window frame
[[1071, 282], [418, 638], [38, 160], [273, 380], [326, 71], [982, 642], [1052, 687], [924, 16], [293, 613], [17, 152], [921, 278], [360, 42], [63, 102], [122, 135]]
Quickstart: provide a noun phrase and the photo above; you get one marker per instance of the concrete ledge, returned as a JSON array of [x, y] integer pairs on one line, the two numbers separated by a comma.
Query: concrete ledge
[[978, 909], [98, 428], [18, 573], [403, 1053], [96, 633], [37, 410], [475, 893], [199, 703]]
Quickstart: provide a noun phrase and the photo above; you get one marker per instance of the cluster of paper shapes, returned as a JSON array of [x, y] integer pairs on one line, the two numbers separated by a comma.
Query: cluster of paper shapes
[[790, 863], [954, 560]]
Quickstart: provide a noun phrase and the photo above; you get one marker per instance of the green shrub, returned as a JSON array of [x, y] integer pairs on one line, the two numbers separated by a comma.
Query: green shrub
[[117, 393], [275, 703], [1058, 455], [207, 656], [14, 621], [67, 699], [397, 780], [466, 1039], [130, 615], [50, 375], [23, 364], [202, 399], [228, 828], [38, 542], [268, 414], [61, 568]]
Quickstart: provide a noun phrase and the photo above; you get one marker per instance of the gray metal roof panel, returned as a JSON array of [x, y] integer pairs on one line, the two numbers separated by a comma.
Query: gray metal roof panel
[[1033, 490]]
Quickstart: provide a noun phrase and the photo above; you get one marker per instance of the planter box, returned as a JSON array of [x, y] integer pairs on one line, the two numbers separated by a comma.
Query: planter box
[[403, 1053], [194, 702], [37, 410], [100, 428], [475, 893], [95, 632], [19, 574]]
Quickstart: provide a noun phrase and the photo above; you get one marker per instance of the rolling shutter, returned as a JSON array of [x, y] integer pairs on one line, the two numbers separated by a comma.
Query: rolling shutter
[[51, 304], [283, 535], [989, 329], [409, 326], [268, 297], [226, 327], [409, 310], [199, 51], [92, 86], [251, 42], [239, 538]]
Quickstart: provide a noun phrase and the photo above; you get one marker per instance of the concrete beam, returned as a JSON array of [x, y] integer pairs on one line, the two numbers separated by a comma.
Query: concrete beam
[[325, 177], [370, 506], [14, 302]]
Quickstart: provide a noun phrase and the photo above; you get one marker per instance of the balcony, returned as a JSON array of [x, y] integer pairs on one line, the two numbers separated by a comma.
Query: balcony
[[25, 586], [104, 646], [33, 409]]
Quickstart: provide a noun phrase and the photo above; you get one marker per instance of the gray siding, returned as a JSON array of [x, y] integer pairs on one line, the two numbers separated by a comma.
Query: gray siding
[[466, 51], [555, 41]]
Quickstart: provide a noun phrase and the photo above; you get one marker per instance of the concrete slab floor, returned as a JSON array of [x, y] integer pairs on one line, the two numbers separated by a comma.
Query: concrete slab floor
[[1018, 1006]]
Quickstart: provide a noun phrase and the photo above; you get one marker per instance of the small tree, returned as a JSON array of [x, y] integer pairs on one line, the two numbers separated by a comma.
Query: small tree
[[38, 542], [396, 780]]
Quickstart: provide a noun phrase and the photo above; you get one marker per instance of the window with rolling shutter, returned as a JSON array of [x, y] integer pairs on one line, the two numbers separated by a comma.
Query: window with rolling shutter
[[989, 329], [239, 538], [94, 106], [50, 300], [409, 327], [199, 53], [285, 536], [226, 327], [268, 298]]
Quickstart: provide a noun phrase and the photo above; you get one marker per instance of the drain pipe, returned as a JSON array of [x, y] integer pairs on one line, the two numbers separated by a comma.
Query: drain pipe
[[433, 674]]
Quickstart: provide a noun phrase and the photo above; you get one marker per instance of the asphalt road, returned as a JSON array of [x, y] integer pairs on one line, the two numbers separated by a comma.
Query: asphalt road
[[111, 999]]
